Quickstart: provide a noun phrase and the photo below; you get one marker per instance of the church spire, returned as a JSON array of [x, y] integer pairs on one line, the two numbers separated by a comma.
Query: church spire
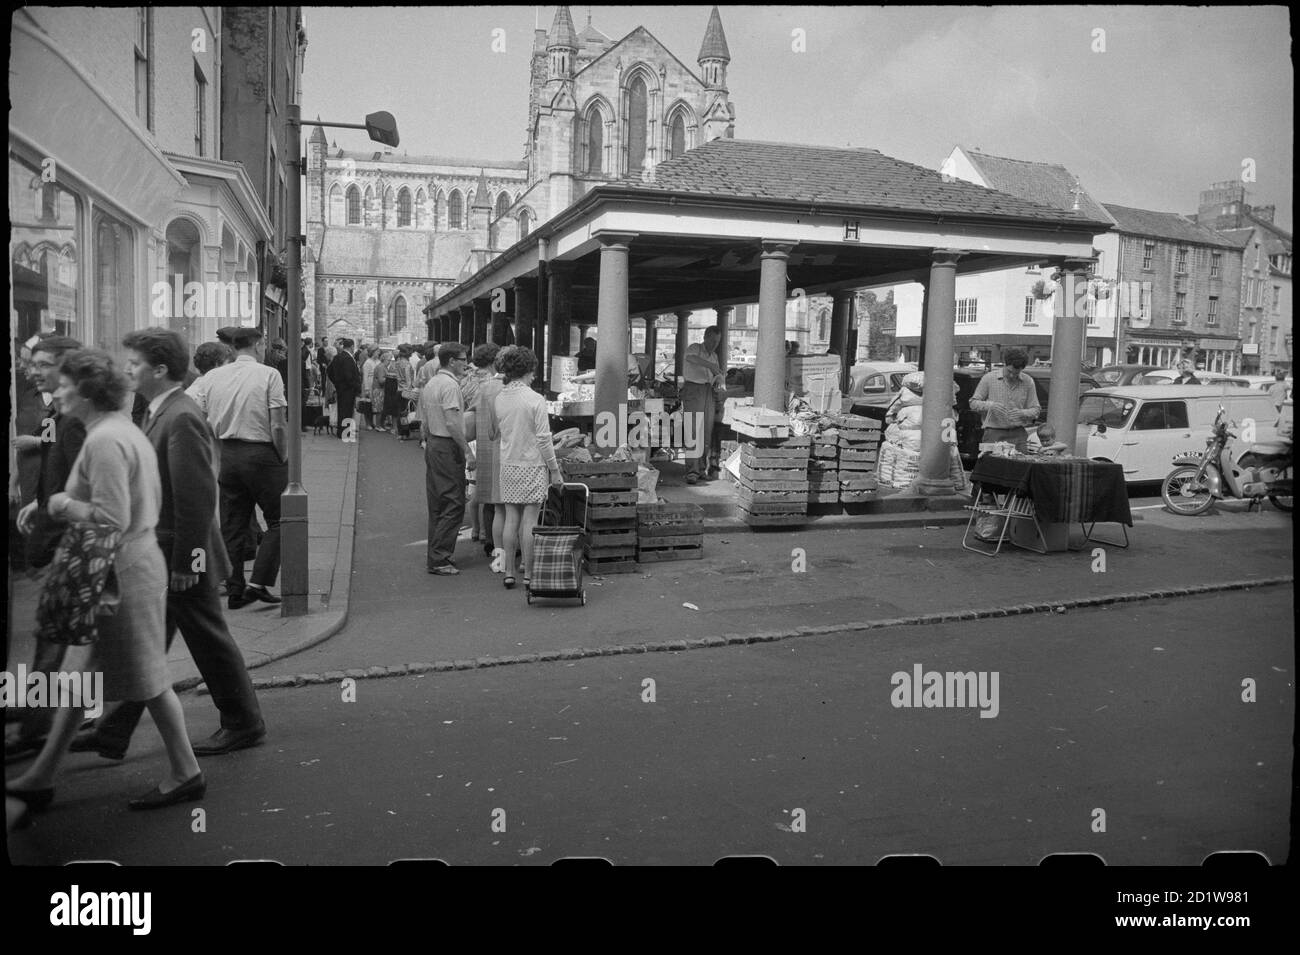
[[562, 34], [714, 46], [317, 133]]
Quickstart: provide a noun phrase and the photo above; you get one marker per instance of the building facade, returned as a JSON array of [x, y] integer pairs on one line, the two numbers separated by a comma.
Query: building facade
[[1190, 306], [387, 234], [125, 212]]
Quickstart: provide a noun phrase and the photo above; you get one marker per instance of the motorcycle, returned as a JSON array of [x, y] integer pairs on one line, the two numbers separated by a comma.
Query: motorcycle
[[1223, 472]]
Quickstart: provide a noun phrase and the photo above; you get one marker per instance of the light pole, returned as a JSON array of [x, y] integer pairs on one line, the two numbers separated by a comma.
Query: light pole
[[382, 128]]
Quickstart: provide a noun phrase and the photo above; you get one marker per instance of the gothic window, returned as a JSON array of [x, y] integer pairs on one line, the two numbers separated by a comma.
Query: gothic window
[[503, 204], [455, 210], [637, 99], [524, 223], [438, 212], [331, 296], [336, 216], [369, 206], [350, 296], [399, 314], [421, 210], [595, 142], [677, 137], [354, 205], [404, 208]]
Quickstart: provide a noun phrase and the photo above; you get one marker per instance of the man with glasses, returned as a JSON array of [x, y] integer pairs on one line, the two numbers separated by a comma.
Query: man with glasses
[[446, 457]]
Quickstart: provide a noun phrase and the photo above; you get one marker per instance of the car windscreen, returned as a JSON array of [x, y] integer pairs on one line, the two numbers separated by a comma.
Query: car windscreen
[[1110, 377], [1105, 409]]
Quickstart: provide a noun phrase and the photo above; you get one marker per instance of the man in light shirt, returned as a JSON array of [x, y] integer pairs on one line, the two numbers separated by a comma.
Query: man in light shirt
[[446, 457], [1008, 401], [244, 402], [703, 374]]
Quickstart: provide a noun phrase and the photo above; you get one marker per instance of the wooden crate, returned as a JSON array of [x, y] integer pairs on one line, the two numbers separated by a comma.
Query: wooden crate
[[679, 547], [857, 481], [655, 521], [610, 565], [577, 470], [770, 519]]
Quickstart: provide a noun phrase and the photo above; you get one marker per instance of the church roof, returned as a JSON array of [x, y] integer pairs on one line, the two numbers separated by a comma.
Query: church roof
[[1047, 183], [317, 134], [714, 46], [388, 158], [562, 32], [824, 176], [1165, 225]]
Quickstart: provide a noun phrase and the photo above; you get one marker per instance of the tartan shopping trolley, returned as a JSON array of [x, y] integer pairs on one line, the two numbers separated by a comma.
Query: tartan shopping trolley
[[558, 539]]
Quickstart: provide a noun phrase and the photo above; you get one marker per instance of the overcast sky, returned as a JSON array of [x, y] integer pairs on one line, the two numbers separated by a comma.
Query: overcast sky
[[1180, 97]]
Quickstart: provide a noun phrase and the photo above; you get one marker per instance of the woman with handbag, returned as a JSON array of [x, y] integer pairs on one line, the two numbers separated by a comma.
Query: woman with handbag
[[406, 395], [110, 504], [390, 390]]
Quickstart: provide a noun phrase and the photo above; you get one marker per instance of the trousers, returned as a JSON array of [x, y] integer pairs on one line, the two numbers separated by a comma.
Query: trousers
[[444, 492], [698, 399], [252, 474]]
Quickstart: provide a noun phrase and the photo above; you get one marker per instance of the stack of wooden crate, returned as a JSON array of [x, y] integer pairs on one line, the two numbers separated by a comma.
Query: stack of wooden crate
[[773, 487], [824, 476], [859, 446], [611, 513], [669, 532]]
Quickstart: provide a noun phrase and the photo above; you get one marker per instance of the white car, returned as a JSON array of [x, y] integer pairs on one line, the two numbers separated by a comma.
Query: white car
[[1262, 382], [1166, 376]]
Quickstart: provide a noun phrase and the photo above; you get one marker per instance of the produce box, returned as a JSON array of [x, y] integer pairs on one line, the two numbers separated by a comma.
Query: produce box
[[669, 532]]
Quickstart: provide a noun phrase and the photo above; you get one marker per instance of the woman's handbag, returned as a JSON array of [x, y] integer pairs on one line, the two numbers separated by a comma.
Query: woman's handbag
[[315, 399], [81, 588]]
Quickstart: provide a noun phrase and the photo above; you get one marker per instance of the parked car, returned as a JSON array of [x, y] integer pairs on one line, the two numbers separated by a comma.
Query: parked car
[[1142, 427], [874, 385], [1166, 376], [1119, 375], [1260, 382]]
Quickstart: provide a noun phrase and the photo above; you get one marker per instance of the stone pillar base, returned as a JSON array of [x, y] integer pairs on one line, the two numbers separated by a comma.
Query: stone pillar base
[[932, 487]]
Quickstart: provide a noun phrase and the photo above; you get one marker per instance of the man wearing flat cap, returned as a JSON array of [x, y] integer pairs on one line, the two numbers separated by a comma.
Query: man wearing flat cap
[[245, 403]]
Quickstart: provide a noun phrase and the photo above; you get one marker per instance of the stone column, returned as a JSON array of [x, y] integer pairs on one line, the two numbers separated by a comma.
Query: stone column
[[925, 322], [724, 313], [679, 349], [769, 365], [466, 325], [611, 329], [840, 332], [652, 340], [938, 420], [526, 316], [559, 306], [482, 320], [1067, 351]]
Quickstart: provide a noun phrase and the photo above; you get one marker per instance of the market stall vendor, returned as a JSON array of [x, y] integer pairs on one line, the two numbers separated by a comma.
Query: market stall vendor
[[1008, 401]]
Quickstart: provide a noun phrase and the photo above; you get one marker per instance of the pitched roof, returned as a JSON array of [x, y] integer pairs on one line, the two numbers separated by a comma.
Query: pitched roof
[[1050, 184], [828, 176], [317, 134], [715, 41], [386, 158], [1166, 225]]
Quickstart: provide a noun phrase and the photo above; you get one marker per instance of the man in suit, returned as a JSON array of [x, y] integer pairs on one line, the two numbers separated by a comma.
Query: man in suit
[[189, 534], [346, 376]]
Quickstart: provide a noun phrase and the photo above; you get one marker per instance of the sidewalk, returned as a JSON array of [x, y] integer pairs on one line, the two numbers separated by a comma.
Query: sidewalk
[[329, 469]]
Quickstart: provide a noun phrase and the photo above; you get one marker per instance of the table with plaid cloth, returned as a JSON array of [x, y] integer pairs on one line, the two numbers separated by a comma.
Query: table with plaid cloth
[[1064, 490]]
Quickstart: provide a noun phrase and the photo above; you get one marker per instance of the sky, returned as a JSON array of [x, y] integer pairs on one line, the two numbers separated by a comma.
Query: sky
[[1146, 105]]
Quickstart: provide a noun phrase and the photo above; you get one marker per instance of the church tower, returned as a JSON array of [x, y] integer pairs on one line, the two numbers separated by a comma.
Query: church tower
[[553, 135], [719, 114], [316, 149]]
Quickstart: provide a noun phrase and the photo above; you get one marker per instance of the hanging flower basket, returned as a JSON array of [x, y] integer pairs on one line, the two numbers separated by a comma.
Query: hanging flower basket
[[1099, 289], [1044, 289]]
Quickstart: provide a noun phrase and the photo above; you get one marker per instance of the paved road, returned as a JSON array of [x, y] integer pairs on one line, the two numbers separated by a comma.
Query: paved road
[[1134, 709]]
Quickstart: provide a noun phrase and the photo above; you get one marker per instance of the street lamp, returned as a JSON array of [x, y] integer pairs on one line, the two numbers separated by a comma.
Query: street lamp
[[382, 128]]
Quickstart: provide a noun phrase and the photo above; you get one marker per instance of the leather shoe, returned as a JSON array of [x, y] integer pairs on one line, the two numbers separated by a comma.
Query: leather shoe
[[90, 743], [227, 741], [34, 799], [238, 601], [193, 788], [260, 593]]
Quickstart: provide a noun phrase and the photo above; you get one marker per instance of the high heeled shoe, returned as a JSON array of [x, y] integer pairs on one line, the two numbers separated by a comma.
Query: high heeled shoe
[[34, 799], [193, 788]]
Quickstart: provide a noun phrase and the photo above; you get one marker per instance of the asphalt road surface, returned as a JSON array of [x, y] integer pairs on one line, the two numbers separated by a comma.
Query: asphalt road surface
[[1131, 715]]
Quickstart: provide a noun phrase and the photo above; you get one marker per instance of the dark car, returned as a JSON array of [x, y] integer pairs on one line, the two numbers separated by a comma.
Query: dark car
[[970, 423], [1116, 376]]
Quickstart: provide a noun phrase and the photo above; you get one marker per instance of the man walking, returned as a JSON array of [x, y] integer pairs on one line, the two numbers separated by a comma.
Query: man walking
[[245, 404], [1008, 401], [190, 537], [702, 373], [446, 458], [346, 376]]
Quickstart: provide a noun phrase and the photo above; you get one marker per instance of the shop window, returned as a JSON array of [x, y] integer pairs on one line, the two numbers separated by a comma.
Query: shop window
[[44, 252], [114, 264]]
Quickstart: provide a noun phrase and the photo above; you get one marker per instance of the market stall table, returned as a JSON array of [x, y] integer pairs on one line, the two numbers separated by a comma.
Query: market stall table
[[1050, 494]]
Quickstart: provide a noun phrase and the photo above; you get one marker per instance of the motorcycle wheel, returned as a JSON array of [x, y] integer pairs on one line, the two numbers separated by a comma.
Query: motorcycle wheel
[[1181, 495], [1281, 501]]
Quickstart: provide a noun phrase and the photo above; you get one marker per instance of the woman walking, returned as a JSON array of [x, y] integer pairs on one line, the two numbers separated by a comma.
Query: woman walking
[[527, 455], [369, 402], [482, 514], [406, 392], [394, 404], [115, 482]]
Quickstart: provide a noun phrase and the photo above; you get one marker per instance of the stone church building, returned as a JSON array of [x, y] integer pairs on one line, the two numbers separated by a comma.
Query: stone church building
[[388, 234]]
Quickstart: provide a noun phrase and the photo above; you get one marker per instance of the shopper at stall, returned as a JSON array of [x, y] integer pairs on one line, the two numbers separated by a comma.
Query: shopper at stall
[[446, 458], [703, 374], [587, 355], [482, 371], [527, 456], [1008, 401]]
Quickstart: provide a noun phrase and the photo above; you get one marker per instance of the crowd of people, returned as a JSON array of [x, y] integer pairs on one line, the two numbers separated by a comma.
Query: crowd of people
[[137, 484]]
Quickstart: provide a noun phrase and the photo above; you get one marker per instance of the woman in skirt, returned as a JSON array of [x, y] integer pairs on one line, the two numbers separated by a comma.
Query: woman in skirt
[[392, 402], [526, 456]]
